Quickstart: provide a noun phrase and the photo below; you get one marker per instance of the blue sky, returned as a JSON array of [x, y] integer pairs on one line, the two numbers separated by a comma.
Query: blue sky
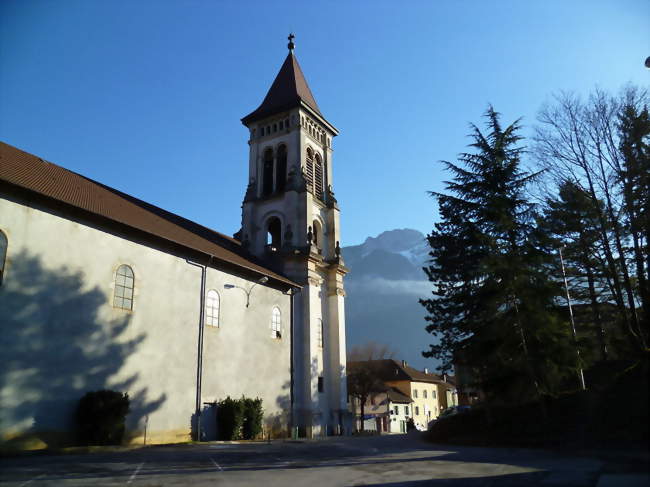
[[146, 96]]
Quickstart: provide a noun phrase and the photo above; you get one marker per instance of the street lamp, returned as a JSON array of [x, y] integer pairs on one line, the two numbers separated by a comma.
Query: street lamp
[[261, 280], [573, 325]]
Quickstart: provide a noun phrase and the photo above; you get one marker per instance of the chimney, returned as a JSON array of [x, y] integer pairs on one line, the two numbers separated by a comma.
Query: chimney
[[444, 377], [403, 363], [426, 371]]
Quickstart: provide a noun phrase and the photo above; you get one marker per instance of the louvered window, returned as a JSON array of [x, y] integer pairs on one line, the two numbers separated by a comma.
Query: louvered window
[[318, 178], [309, 171]]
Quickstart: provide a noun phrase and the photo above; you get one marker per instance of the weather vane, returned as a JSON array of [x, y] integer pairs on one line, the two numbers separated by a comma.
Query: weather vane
[[291, 45]]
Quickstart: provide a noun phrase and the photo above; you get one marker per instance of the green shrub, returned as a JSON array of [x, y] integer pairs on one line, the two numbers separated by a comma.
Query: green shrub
[[100, 417], [253, 415], [230, 418]]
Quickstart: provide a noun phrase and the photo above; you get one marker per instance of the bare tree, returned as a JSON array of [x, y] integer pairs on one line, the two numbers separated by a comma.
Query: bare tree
[[585, 143]]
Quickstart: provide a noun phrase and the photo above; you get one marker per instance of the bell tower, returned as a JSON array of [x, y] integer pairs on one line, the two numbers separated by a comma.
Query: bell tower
[[290, 220]]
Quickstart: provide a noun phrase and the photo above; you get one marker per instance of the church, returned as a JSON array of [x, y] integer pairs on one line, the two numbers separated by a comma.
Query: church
[[101, 290]]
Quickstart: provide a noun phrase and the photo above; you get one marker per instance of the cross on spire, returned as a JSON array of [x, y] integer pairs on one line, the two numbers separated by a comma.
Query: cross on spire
[[291, 45]]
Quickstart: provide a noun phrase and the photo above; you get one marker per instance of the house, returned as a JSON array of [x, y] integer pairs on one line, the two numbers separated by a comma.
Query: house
[[428, 393], [99, 289], [386, 411]]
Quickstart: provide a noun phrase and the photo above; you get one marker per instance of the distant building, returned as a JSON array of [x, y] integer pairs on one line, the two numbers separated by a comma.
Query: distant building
[[101, 290], [429, 394], [385, 411]]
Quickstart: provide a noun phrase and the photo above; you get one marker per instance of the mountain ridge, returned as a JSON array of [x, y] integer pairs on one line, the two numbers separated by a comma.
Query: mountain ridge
[[383, 288]]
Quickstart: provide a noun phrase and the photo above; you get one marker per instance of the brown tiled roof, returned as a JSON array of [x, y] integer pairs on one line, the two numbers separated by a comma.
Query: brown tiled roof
[[393, 370], [29, 172], [394, 395], [287, 91]]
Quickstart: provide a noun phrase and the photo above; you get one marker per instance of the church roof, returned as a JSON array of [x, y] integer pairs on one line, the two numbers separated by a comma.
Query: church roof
[[288, 91], [32, 173]]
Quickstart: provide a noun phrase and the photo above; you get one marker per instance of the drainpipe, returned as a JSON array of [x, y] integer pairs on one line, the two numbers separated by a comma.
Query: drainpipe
[[199, 359], [292, 293]]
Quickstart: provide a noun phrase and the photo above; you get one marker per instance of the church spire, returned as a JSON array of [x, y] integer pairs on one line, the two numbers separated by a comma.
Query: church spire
[[289, 90]]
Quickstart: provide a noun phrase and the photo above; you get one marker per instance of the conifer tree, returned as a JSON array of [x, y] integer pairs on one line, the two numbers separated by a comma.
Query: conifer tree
[[493, 305]]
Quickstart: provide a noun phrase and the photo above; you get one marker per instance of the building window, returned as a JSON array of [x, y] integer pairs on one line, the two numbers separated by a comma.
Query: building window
[[319, 332], [318, 178], [281, 169], [321, 384], [309, 169], [417, 410], [396, 409], [212, 308], [124, 281], [276, 323], [433, 393], [406, 410], [415, 393], [267, 173], [424, 393], [4, 243], [274, 234]]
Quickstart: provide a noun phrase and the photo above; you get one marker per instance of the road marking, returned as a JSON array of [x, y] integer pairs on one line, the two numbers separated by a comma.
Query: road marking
[[31, 480], [216, 464], [133, 475]]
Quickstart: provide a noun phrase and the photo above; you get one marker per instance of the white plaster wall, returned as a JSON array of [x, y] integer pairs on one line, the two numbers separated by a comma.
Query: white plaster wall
[[149, 352]]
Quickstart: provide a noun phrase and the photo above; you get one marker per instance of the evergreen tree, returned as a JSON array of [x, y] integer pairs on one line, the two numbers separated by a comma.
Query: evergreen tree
[[570, 222], [493, 306], [634, 178]]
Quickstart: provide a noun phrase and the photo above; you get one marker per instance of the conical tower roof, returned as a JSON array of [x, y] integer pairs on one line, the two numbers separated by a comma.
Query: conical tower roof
[[289, 90]]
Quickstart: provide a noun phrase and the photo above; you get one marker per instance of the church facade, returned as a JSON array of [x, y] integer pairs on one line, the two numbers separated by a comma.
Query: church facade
[[101, 290]]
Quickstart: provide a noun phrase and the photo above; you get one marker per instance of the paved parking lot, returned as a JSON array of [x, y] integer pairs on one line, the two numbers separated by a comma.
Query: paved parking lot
[[389, 461]]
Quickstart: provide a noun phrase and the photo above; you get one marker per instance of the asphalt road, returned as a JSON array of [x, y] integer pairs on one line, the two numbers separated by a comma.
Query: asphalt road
[[401, 460]]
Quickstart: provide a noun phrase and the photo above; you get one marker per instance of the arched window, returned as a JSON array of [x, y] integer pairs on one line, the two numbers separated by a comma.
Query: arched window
[[4, 243], [267, 176], [318, 178], [317, 232], [274, 233], [309, 169], [276, 323], [124, 283], [319, 332], [212, 308], [281, 168]]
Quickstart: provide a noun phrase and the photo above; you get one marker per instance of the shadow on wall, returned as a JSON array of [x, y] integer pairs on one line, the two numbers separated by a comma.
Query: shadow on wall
[[55, 349]]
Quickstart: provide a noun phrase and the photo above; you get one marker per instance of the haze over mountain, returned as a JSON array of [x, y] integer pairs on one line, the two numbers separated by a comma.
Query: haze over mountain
[[383, 287]]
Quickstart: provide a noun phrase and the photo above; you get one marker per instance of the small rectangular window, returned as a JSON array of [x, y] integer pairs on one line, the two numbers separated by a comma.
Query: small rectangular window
[[424, 393], [417, 411], [406, 410], [415, 393], [321, 385]]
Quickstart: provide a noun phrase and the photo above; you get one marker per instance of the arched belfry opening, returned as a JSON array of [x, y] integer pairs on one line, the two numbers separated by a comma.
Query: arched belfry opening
[[267, 176], [273, 234], [317, 234], [281, 169], [318, 178], [309, 168]]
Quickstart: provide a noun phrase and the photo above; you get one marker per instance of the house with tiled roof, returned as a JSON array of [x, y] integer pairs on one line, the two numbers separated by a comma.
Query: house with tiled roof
[[429, 394], [101, 290]]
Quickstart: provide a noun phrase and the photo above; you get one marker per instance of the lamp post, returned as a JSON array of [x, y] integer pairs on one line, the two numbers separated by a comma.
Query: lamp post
[[573, 325], [261, 280]]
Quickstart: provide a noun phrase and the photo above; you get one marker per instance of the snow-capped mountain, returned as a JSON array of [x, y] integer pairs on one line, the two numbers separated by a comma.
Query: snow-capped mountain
[[383, 287]]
